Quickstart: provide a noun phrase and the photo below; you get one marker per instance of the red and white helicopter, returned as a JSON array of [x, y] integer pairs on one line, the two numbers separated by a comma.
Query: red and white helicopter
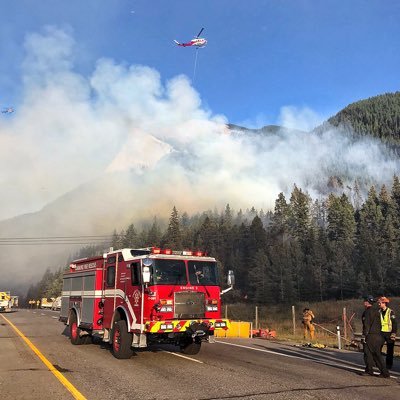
[[195, 42]]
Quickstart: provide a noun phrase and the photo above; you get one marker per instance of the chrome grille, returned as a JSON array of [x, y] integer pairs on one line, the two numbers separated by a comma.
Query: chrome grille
[[189, 305]]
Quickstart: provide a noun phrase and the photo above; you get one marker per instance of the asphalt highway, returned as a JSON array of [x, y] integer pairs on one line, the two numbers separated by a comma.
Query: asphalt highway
[[46, 366]]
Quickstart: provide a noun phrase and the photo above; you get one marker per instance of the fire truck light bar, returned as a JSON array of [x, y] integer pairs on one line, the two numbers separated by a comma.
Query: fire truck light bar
[[157, 250]]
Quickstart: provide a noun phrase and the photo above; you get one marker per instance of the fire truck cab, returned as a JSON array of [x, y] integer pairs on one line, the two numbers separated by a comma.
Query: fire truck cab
[[138, 297]]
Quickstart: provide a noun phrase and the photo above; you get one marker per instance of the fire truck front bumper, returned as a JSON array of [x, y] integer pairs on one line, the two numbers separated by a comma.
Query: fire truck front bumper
[[193, 326]]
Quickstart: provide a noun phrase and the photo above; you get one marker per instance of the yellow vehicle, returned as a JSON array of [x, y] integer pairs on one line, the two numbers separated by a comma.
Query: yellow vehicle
[[5, 301], [47, 302]]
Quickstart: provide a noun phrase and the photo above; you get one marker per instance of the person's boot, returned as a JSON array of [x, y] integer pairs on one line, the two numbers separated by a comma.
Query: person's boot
[[366, 373]]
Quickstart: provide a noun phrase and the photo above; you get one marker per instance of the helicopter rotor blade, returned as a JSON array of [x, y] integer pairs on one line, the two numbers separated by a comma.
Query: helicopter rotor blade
[[202, 29]]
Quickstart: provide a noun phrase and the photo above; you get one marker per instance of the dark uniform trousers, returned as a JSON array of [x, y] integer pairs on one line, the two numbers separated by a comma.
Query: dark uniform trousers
[[372, 348], [389, 349]]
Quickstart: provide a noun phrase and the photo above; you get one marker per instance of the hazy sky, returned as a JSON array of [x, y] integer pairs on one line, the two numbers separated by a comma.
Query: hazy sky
[[100, 87], [261, 55]]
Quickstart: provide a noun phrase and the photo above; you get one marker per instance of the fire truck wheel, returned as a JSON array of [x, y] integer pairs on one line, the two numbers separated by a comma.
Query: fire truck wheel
[[88, 339], [74, 331], [191, 347], [121, 340]]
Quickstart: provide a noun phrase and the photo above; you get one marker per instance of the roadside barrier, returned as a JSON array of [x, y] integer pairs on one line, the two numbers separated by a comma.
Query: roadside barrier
[[244, 329], [238, 329], [358, 337]]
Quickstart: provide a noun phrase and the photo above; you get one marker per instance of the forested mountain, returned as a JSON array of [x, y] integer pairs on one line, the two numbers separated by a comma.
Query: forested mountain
[[304, 250], [378, 116]]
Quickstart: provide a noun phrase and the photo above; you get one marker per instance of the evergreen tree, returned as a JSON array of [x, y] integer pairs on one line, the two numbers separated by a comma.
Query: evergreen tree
[[281, 216], [206, 236], [54, 285], [257, 236], [300, 216], [228, 219], [130, 239], [173, 237], [396, 198], [187, 236], [115, 241], [258, 280], [369, 240], [341, 236], [153, 237], [280, 274]]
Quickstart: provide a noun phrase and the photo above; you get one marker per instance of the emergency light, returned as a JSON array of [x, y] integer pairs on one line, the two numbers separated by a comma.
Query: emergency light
[[158, 250]]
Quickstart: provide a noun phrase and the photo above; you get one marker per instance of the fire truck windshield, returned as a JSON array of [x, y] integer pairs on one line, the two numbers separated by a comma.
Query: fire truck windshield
[[203, 273], [168, 272]]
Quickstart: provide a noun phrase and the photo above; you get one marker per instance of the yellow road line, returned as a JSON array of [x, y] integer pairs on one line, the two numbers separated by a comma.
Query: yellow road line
[[74, 391]]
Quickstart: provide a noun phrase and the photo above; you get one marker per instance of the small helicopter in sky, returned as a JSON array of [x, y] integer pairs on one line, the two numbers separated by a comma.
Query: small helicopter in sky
[[7, 110], [195, 42]]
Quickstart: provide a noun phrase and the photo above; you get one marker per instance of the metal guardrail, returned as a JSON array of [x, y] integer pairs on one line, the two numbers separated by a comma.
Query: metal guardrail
[[358, 336]]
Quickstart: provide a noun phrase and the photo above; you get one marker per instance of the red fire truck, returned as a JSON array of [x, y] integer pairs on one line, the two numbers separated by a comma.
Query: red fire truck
[[133, 298]]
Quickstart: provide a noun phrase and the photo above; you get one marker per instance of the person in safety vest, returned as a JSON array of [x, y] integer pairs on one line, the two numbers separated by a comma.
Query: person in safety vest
[[389, 329], [308, 318], [373, 341]]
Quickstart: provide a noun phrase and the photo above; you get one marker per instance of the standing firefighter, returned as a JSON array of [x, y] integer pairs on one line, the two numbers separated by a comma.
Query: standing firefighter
[[389, 329], [368, 301], [308, 317], [373, 341]]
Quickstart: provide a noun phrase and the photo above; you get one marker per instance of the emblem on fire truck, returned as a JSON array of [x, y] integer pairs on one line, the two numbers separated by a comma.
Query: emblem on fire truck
[[136, 297]]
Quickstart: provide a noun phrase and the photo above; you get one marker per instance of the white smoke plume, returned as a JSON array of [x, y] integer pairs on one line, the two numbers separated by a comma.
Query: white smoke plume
[[72, 128], [157, 145]]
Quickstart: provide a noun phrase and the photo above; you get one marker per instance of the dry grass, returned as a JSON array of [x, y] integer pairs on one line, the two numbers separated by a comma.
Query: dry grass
[[328, 315]]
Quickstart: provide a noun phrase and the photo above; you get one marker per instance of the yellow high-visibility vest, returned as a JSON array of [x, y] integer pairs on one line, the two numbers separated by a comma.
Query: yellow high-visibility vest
[[386, 322]]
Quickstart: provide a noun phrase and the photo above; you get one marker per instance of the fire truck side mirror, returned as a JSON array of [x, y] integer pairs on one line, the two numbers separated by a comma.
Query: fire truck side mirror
[[146, 274], [231, 278]]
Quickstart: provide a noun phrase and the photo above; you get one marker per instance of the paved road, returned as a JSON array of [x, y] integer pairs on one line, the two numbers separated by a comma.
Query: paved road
[[229, 369]]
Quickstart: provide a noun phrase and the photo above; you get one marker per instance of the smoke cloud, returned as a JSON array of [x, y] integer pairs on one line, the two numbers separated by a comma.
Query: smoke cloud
[[143, 146]]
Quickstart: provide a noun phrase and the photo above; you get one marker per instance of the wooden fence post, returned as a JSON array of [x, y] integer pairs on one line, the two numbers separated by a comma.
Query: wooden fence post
[[294, 321], [256, 317]]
